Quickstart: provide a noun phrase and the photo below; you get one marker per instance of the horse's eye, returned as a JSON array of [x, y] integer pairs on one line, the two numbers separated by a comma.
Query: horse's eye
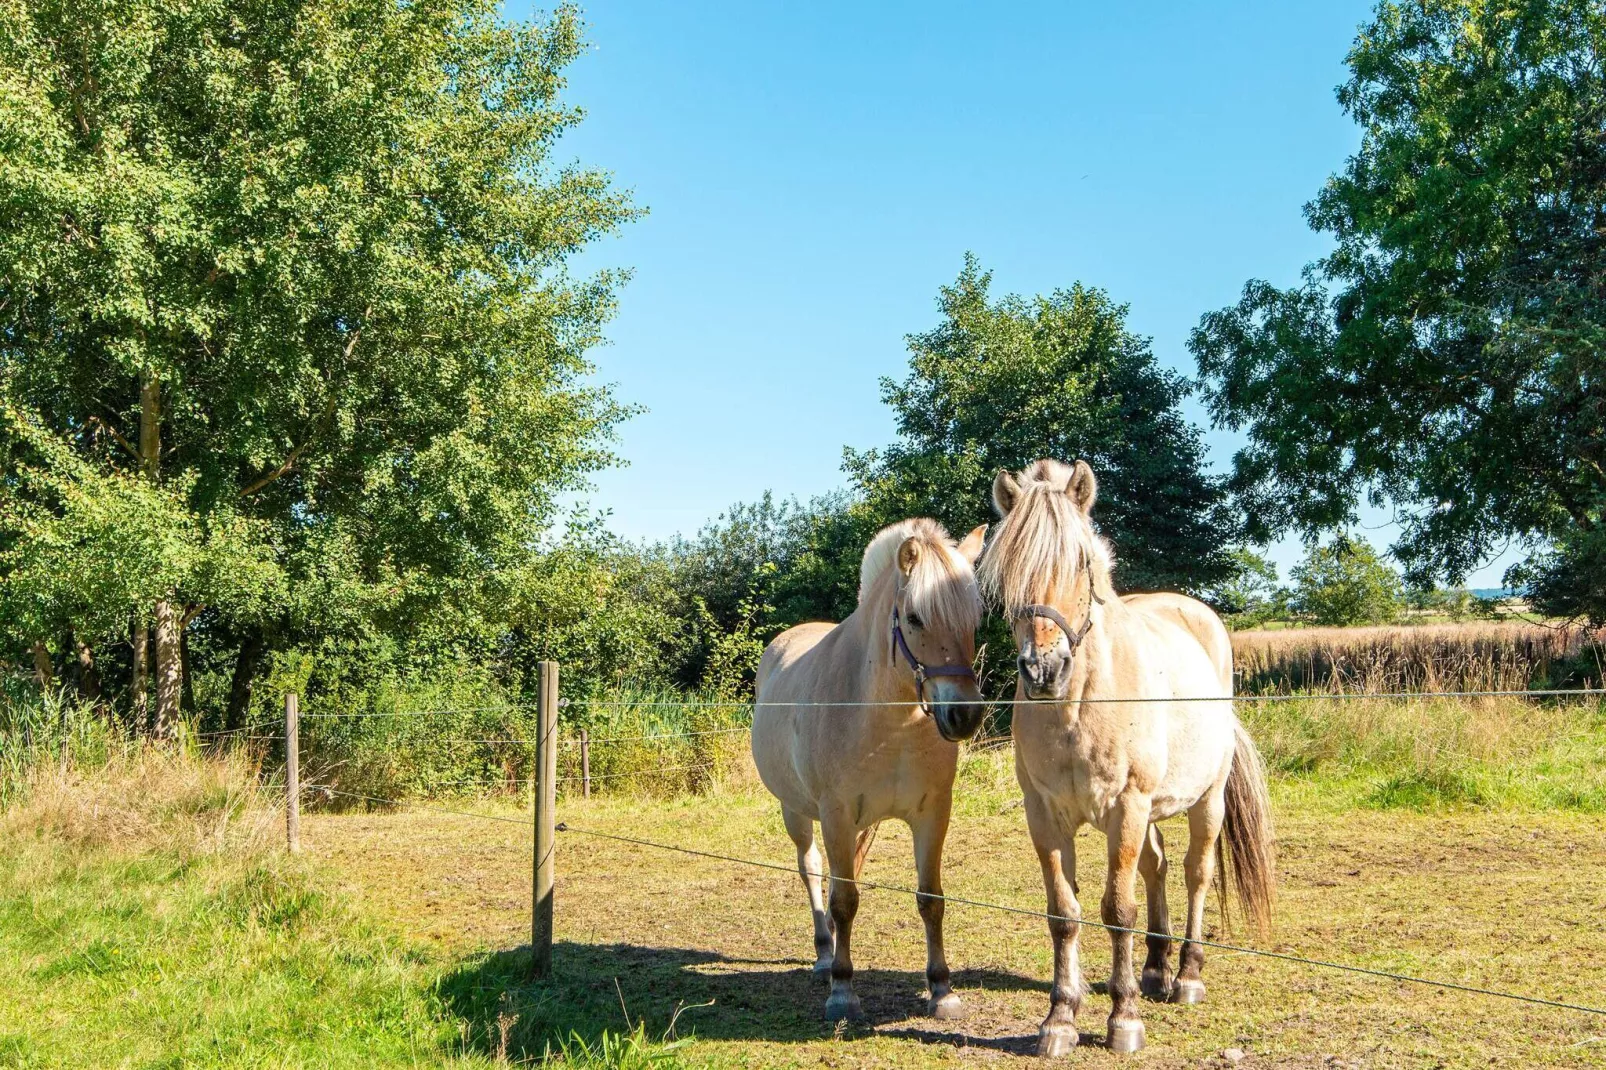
[[914, 619]]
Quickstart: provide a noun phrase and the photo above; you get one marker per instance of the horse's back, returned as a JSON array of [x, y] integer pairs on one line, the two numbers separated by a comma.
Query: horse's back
[[1198, 620], [779, 677]]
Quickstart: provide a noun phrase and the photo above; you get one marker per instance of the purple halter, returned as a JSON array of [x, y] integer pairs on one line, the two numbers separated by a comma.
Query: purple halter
[[922, 673]]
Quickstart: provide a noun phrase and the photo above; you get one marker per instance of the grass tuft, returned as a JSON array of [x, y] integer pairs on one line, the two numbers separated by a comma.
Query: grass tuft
[[620, 1051], [1426, 790], [144, 798]]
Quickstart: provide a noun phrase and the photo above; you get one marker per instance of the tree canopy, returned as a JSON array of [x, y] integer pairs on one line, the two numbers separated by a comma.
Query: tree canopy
[[1448, 356], [300, 268], [1000, 383]]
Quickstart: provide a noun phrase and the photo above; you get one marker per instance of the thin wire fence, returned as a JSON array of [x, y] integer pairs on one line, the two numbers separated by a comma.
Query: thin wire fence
[[612, 760], [1240, 949], [736, 704]]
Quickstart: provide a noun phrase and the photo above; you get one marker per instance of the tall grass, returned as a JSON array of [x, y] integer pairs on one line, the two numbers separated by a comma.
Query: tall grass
[[1492, 656], [46, 729], [1420, 753], [642, 741]]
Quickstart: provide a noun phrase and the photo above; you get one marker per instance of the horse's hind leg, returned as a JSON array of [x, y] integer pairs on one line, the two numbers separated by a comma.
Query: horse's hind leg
[[811, 867], [929, 833], [1126, 830], [1204, 828], [841, 844], [1156, 979]]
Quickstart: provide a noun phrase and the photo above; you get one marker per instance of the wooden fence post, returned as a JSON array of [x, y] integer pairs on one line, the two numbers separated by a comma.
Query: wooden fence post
[[585, 763], [546, 804], [292, 771]]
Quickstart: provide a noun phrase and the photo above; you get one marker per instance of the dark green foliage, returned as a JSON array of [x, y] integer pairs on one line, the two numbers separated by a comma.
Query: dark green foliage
[[999, 384], [1448, 355], [1569, 580]]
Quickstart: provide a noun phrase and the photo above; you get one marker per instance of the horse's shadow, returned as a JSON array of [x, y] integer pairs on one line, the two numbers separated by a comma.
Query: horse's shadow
[[594, 987]]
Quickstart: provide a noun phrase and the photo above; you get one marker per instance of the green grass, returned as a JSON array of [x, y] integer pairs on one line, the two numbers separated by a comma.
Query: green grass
[[148, 918], [1472, 895], [1504, 754]]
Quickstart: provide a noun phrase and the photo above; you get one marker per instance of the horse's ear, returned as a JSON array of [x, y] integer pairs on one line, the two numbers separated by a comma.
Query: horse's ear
[[970, 546], [1006, 490], [1083, 487], [909, 555]]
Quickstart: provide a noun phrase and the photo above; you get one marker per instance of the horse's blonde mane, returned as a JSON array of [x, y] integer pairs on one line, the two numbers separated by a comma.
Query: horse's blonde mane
[[943, 584], [1040, 545]]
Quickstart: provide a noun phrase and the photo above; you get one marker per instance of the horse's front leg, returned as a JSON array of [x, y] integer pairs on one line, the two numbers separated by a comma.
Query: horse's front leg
[[1156, 980], [1126, 830], [841, 843], [929, 832], [1056, 853]]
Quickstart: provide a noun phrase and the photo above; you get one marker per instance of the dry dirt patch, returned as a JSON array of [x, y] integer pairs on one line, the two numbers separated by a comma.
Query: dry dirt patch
[[1507, 901]]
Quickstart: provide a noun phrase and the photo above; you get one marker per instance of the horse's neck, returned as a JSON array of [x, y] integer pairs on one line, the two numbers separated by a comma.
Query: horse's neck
[[1106, 640]]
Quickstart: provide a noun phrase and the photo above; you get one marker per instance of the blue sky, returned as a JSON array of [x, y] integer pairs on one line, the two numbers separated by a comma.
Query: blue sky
[[814, 172]]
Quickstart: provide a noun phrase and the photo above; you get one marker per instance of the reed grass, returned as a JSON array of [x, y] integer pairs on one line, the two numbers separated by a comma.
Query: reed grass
[[1480, 656]]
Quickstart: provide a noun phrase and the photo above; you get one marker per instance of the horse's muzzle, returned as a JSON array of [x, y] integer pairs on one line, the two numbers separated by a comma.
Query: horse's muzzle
[[957, 709], [1045, 676]]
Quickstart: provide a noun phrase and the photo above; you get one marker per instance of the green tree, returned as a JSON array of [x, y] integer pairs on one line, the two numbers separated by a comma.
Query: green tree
[[1250, 595], [302, 266], [607, 610], [998, 384], [758, 569], [1449, 355], [1346, 583]]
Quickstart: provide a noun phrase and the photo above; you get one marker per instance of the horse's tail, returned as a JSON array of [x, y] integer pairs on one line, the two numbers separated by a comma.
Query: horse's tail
[[1247, 842], [862, 849]]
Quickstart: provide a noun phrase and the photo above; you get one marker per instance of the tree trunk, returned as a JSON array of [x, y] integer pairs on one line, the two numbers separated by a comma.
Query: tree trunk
[[245, 671], [43, 673], [169, 672], [150, 425], [139, 686], [186, 695], [88, 675]]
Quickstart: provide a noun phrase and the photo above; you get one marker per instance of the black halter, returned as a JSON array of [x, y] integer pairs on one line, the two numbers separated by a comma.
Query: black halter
[[922, 673], [1074, 636]]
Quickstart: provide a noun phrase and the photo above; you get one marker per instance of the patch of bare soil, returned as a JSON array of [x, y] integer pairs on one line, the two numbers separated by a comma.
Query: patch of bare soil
[[1505, 901]]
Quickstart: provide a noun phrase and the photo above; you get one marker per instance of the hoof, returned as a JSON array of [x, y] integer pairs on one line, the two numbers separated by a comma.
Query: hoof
[[1125, 1036], [1056, 1040], [843, 1007], [946, 1007], [1188, 992], [1156, 983], [822, 969]]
